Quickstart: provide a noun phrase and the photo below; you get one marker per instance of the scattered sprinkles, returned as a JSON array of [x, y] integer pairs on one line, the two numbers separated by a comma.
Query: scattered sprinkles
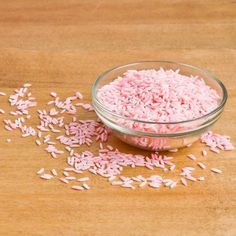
[[108, 162]]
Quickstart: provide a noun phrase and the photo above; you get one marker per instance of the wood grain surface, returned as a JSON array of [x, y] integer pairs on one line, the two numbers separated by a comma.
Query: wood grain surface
[[62, 45]]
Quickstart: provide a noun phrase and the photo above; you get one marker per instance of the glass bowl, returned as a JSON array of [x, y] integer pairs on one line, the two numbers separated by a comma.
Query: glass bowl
[[158, 136]]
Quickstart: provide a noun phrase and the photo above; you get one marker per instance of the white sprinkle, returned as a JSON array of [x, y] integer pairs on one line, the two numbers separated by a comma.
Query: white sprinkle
[[215, 170], [65, 173], [8, 140], [40, 171]]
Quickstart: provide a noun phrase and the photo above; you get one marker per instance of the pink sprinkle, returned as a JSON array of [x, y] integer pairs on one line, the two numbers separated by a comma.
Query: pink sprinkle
[[183, 181], [173, 150], [172, 167], [189, 177], [83, 179], [38, 142], [201, 178], [76, 187], [2, 94], [53, 94], [8, 128], [46, 176], [2, 111], [117, 183], [40, 171], [143, 184], [215, 170], [66, 173], [215, 141], [86, 186], [191, 156], [70, 178], [204, 153], [79, 95], [64, 180], [54, 172], [27, 85], [201, 165], [154, 185], [215, 150]]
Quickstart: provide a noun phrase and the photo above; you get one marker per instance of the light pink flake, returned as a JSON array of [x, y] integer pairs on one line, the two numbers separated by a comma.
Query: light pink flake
[[189, 177], [204, 153], [201, 165], [183, 181], [2, 94], [191, 156], [64, 180], [53, 94], [38, 142], [84, 179], [154, 185], [40, 171], [86, 186], [46, 176], [201, 178], [27, 85], [54, 172], [70, 178], [66, 173], [117, 183], [215, 170], [79, 95], [76, 187]]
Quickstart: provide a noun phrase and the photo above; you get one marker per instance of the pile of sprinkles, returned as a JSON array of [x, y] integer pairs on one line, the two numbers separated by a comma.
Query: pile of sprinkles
[[108, 162], [158, 95]]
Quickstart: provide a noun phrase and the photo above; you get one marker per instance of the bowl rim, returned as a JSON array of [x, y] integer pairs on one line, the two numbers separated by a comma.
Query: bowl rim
[[206, 72]]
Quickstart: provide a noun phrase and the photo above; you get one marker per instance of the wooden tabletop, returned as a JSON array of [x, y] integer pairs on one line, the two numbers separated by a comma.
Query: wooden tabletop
[[62, 46]]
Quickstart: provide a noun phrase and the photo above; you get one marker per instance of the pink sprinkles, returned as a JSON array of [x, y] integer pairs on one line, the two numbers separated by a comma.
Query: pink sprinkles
[[109, 162]]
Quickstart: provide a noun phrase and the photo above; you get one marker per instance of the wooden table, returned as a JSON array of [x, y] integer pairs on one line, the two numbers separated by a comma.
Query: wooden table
[[62, 46]]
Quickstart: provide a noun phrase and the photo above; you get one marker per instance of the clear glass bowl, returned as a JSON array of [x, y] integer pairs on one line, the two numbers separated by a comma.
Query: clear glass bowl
[[162, 136]]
